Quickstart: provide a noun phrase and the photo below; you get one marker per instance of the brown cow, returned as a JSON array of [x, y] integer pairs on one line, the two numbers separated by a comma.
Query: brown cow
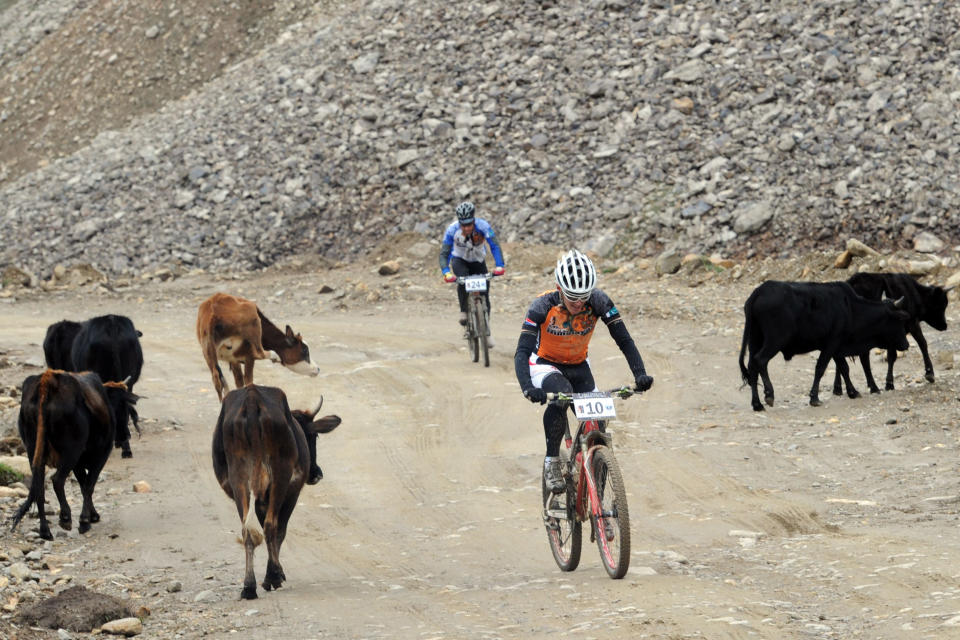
[[262, 455], [234, 330], [67, 421]]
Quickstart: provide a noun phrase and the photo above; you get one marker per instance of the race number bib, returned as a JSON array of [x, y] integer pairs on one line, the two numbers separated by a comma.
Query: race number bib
[[476, 284], [593, 406]]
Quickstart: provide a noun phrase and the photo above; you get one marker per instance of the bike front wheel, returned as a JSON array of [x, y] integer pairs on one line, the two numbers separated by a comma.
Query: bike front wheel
[[612, 527], [482, 332], [564, 531], [473, 343]]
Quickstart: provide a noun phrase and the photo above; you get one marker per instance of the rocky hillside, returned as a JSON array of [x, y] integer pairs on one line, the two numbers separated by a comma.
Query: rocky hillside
[[191, 134]]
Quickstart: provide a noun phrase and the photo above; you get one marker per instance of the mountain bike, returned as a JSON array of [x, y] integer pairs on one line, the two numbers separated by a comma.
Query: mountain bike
[[478, 316], [594, 486]]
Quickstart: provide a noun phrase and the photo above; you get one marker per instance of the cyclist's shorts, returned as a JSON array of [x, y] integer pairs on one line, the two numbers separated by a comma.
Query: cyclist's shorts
[[540, 370]]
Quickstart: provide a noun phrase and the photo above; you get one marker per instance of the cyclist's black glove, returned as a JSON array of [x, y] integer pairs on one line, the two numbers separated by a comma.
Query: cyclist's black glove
[[643, 382], [535, 395]]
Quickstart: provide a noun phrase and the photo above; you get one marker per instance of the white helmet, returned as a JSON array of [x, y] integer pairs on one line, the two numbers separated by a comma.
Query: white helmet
[[576, 275]]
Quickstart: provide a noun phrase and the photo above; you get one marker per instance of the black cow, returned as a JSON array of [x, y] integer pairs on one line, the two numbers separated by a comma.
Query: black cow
[[58, 342], [262, 455], [107, 345], [799, 317], [67, 421], [921, 302]]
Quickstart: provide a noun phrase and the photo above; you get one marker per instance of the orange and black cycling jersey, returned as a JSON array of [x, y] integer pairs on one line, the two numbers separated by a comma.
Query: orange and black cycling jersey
[[563, 337]]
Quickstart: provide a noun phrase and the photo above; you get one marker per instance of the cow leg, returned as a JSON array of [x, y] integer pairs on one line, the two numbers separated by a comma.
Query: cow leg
[[757, 366], [248, 371], [758, 362], [752, 372], [285, 512], [843, 369], [219, 382], [821, 368], [837, 387], [83, 479], [37, 488], [249, 579], [841, 377], [66, 518], [122, 439], [237, 374], [767, 384], [124, 445], [273, 533], [867, 373], [250, 539], [87, 478], [922, 343], [891, 358]]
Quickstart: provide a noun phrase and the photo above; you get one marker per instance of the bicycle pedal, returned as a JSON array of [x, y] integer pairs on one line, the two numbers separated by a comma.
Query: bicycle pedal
[[551, 524]]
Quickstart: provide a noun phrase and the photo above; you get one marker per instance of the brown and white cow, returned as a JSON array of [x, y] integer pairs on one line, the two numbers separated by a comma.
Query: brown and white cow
[[235, 331], [262, 455]]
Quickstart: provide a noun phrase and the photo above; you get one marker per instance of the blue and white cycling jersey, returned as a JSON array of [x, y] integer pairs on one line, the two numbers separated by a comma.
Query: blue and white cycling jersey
[[470, 248]]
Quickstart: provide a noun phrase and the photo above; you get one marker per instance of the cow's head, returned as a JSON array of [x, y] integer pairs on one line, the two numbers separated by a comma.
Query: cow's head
[[122, 402], [935, 307], [311, 426], [893, 325], [295, 354]]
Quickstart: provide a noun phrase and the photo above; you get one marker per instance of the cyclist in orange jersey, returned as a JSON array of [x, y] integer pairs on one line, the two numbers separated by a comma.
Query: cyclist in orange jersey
[[551, 353]]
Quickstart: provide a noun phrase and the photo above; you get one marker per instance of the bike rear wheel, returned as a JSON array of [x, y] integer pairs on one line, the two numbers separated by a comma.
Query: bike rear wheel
[[564, 531], [473, 343], [612, 528]]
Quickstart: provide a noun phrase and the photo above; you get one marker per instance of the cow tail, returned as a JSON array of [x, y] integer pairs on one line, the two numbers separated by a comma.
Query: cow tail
[[743, 346], [39, 448], [37, 464], [251, 525]]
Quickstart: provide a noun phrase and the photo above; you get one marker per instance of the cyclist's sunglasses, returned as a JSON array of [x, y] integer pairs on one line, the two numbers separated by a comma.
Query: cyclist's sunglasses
[[576, 297]]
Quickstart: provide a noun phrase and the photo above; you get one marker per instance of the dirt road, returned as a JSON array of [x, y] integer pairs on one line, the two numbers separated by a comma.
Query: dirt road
[[831, 522]]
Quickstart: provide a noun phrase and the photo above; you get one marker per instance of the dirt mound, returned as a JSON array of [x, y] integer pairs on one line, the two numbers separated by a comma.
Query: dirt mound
[[76, 609]]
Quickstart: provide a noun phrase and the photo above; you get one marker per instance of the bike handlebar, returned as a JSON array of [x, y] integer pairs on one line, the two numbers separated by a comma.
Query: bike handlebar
[[463, 279], [620, 392]]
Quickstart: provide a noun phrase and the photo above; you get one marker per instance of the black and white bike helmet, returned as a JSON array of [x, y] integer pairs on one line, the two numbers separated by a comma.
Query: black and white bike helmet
[[576, 275], [465, 212]]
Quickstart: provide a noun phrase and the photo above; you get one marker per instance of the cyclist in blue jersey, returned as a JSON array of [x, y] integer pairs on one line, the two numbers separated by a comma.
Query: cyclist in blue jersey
[[463, 252]]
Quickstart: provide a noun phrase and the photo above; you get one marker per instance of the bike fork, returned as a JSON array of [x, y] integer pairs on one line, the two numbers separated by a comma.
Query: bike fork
[[597, 516]]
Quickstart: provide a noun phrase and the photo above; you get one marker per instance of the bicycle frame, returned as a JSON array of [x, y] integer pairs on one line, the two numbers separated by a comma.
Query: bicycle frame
[[586, 444]]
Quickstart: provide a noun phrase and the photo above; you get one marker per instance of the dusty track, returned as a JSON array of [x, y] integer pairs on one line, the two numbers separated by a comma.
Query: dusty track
[[426, 524]]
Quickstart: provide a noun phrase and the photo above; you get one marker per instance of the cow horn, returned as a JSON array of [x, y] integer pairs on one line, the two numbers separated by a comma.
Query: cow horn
[[126, 381], [313, 414], [898, 303], [949, 289]]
